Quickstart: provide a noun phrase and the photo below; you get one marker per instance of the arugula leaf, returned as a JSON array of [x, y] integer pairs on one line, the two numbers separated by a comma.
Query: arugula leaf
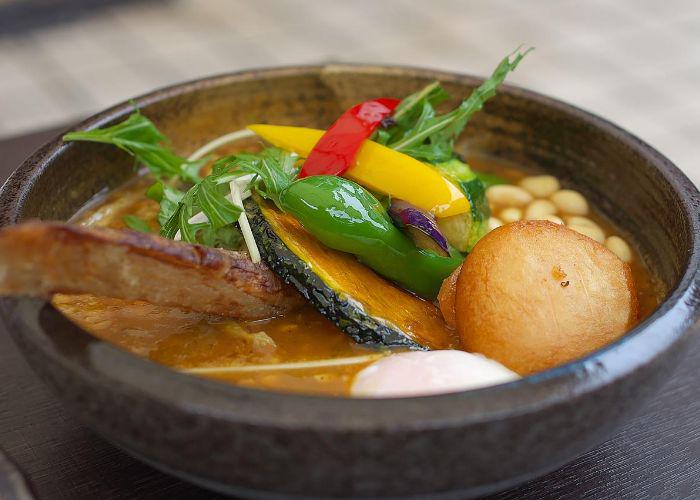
[[211, 199], [421, 133], [274, 170], [412, 110], [168, 197], [432, 93], [136, 223], [224, 237], [207, 197], [138, 136]]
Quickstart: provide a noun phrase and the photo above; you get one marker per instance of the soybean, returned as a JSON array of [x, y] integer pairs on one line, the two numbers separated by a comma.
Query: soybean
[[593, 232], [577, 220], [619, 247], [540, 186], [494, 222], [570, 202], [539, 209], [553, 218], [508, 196], [510, 214]]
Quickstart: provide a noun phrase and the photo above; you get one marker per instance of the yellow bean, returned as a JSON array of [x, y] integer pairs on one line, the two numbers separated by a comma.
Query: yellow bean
[[538, 209], [577, 220], [553, 218], [505, 195], [619, 247], [540, 186], [494, 222], [595, 233], [510, 214], [570, 202]]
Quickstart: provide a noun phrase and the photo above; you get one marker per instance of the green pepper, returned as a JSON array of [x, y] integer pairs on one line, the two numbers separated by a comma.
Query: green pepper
[[476, 222], [346, 217]]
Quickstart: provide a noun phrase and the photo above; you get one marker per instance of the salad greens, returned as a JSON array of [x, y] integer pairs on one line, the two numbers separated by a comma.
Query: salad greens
[[420, 132], [208, 196], [416, 129], [138, 136], [272, 170]]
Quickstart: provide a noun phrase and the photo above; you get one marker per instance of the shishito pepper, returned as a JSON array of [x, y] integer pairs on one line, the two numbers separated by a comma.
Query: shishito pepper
[[380, 169], [346, 217], [336, 150]]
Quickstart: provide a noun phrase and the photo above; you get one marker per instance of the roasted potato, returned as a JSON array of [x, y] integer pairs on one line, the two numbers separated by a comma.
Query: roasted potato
[[534, 294], [446, 298]]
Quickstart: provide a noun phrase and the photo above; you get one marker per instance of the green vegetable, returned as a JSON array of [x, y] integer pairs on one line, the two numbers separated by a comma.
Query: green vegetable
[[464, 230], [139, 137], [489, 180], [411, 111], [274, 170], [346, 217], [168, 197], [228, 237], [136, 223], [209, 197], [423, 134]]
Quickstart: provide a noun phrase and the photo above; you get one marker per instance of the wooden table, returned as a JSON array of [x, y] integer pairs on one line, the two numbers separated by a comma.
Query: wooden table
[[657, 455]]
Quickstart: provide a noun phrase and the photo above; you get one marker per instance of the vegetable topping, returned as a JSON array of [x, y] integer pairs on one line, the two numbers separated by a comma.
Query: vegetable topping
[[335, 152], [399, 151], [420, 226], [380, 169]]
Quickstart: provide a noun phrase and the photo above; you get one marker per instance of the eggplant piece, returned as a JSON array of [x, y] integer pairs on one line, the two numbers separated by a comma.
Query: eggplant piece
[[420, 226]]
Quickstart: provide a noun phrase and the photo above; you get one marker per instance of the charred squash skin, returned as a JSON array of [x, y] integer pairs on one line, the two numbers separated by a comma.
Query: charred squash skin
[[364, 305]]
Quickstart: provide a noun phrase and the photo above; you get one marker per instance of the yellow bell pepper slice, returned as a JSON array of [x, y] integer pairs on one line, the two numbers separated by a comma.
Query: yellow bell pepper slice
[[380, 169]]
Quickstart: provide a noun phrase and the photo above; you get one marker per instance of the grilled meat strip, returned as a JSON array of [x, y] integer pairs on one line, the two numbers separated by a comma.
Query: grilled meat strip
[[41, 258]]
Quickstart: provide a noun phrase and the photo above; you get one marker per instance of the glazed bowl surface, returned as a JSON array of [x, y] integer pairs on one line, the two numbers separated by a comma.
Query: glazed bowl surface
[[257, 443]]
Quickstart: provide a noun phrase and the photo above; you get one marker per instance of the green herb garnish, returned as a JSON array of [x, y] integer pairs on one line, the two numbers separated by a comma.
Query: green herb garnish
[[138, 136], [136, 223], [272, 169], [168, 197], [208, 197], [423, 134]]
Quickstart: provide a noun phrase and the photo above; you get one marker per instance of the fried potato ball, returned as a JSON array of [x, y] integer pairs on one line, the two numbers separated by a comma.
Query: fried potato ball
[[446, 298], [534, 294]]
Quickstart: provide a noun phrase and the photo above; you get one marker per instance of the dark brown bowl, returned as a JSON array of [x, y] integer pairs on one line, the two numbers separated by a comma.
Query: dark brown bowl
[[257, 443]]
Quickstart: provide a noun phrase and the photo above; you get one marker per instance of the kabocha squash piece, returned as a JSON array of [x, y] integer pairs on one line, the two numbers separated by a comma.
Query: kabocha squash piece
[[364, 305]]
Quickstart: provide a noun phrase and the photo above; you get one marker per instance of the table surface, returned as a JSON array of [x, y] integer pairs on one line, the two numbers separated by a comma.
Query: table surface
[[656, 455]]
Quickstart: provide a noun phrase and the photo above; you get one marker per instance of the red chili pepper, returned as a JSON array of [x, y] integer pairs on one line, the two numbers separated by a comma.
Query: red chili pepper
[[336, 150]]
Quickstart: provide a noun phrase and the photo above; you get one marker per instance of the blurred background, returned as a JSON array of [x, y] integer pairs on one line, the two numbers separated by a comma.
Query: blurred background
[[636, 62]]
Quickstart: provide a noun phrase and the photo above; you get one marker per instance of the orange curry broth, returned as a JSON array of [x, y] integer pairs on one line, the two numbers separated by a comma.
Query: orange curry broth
[[183, 339]]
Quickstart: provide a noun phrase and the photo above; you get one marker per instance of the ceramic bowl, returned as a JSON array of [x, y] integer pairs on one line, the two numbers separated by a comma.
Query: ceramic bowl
[[255, 443]]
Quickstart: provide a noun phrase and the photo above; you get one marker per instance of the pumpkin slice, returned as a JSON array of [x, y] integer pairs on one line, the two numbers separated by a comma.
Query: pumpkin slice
[[360, 302]]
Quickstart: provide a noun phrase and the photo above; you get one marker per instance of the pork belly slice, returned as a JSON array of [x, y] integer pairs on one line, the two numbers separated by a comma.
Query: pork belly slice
[[42, 258]]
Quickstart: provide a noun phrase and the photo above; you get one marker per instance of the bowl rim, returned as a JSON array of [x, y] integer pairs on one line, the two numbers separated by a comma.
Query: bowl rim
[[675, 316]]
